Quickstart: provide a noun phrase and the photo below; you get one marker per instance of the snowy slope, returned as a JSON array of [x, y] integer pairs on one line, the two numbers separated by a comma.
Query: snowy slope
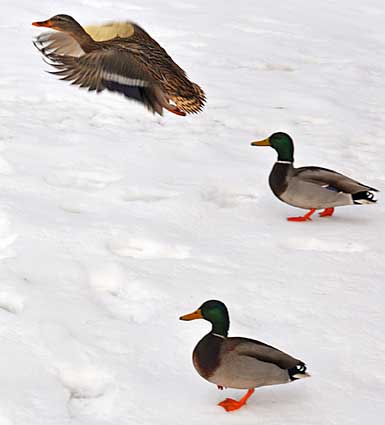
[[113, 222]]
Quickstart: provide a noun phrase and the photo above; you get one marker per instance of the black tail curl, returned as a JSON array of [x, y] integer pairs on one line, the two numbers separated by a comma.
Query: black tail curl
[[297, 372], [364, 197]]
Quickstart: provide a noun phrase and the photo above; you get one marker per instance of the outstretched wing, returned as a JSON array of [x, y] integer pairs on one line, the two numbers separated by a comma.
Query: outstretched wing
[[113, 69], [59, 43], [331, 180]]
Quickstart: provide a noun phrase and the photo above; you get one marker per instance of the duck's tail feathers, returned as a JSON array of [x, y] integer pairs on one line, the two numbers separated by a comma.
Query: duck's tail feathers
[[298, 372], [364, 197], [191, 104]]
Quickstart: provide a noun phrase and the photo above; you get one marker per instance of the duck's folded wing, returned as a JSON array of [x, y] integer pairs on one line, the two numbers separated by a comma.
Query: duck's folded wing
[[114, 70], [331, 180], [59, 43], [262, 352]]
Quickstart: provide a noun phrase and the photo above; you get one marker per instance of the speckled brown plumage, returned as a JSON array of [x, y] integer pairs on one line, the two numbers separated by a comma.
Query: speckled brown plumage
[[135, 65]]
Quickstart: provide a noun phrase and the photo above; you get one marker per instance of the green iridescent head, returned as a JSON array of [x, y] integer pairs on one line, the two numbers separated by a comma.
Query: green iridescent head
[[282, 143], [215, 312]]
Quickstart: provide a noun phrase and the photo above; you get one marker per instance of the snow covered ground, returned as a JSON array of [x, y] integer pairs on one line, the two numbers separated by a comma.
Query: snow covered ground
[[113, 222]]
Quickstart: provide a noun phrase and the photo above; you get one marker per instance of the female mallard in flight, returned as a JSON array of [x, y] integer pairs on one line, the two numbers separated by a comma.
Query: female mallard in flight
[[237, 362], [311, 188], [120, 57]]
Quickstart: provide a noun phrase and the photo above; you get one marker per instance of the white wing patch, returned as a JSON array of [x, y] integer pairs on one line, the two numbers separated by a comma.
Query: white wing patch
[[126, 81]]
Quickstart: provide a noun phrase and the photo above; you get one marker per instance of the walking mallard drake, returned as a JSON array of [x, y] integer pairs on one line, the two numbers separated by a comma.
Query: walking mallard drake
[[120, 57], [237, 362], [311, 188]]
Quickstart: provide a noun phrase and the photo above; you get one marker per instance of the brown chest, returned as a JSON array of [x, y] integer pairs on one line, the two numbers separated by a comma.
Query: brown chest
[[278, 179], [206, 355]]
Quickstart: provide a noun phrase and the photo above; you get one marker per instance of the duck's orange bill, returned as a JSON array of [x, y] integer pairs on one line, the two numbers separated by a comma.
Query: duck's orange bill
[[192, 316], [47, 24], [265, 142]]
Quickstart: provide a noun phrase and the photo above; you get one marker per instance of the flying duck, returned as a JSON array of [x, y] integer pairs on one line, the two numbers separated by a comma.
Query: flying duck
[[120, 57]]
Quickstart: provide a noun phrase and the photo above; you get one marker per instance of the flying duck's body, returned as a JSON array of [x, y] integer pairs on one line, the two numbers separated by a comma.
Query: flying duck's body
[[120, 57]]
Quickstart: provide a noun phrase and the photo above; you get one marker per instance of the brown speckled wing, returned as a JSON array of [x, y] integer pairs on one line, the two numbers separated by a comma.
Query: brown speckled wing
[[155, 53], [131, 63], [188, 96], [112, 69]]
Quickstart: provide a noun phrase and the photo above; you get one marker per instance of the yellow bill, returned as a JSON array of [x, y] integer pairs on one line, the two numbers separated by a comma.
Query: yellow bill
[[265, 142], [192, 316]]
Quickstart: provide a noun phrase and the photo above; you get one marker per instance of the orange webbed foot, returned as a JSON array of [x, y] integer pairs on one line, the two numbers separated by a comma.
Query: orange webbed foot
[[230, 404], [327, 212], [306, 217], [298, 219]]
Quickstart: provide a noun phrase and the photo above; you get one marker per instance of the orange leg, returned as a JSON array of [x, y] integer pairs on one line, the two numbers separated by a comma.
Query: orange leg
[[175, 110], [327, 212], [306, 217], [229, 404]]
